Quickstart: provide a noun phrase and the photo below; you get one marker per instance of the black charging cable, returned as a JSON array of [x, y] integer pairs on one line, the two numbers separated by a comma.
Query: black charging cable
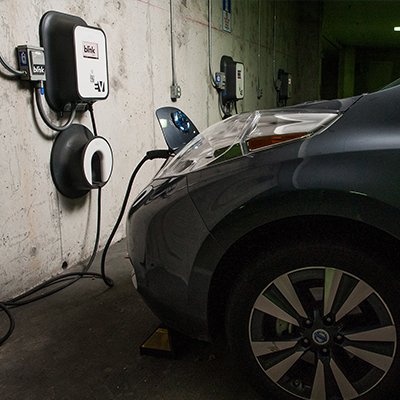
[[11, 326], [90, 108], [70, 278], [150, 155], [9, 68], [73, 277], [39, 104]]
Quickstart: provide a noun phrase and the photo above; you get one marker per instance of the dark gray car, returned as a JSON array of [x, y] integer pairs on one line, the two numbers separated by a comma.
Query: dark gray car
[[279, 230]]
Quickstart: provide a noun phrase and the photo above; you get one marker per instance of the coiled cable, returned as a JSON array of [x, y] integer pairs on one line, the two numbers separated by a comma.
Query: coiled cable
[[73, 277], [70, 278]]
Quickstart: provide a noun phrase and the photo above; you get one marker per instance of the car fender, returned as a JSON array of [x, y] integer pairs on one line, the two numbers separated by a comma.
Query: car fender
[[262, 212]]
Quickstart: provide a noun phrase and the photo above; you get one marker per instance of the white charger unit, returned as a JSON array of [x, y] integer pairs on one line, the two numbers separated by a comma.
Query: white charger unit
[[91, 63], [76, 61], [239, 81]]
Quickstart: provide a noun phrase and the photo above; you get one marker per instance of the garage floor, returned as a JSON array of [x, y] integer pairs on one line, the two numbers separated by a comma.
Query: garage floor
[[83, 343]]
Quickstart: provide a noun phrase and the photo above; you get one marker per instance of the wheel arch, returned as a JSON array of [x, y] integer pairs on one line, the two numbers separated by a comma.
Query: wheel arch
[[342, 218]]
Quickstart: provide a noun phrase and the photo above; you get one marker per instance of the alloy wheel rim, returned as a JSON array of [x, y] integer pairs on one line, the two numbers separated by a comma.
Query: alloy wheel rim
[[322, 333]]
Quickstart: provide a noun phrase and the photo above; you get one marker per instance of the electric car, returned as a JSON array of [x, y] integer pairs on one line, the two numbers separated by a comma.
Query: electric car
[[279, 230]]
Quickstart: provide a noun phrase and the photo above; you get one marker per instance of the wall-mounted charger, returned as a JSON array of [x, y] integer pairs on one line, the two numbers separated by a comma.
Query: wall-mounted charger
[[76, 60], [234, 79], [285, 85]]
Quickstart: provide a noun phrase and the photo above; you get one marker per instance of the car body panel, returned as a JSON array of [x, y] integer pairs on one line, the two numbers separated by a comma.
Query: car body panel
[[155, 239]]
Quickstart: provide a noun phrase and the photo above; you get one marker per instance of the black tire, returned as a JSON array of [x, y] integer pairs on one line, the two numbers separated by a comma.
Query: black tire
[[316, 321]]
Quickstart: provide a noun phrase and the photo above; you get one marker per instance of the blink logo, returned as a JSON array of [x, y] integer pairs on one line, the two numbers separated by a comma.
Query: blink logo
[[90, 50], [38, 69]]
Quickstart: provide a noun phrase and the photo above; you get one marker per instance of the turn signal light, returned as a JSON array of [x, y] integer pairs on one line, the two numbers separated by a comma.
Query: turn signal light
[[265, 141]]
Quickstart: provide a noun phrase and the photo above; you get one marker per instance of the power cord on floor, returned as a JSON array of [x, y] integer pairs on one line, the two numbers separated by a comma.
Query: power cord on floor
[[70, 278], [73, 277]]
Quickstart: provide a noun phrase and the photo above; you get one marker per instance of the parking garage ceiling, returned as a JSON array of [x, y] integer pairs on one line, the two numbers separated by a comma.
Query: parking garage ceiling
[[360, 23]]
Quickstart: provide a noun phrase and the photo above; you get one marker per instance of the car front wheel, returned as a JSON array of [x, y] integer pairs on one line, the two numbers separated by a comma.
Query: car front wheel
[[316, 321]]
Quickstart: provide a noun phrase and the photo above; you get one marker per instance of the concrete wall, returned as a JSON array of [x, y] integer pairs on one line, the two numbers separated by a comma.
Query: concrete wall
[[41, 229]]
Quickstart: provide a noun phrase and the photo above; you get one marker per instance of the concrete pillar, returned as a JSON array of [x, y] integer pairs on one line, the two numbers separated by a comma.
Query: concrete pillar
[[347, 62]]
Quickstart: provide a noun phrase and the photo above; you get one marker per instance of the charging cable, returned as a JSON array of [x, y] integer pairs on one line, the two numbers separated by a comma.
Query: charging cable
[[150, 155], [70, 278], [12, 323], [73, 277], [39, 92], [9, 68]]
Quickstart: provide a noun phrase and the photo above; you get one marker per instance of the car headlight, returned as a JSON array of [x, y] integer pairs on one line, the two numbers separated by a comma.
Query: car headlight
[[244, 134], [278, 128]]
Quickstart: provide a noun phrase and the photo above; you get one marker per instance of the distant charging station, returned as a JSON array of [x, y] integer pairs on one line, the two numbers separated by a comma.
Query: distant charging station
[[233, 89]]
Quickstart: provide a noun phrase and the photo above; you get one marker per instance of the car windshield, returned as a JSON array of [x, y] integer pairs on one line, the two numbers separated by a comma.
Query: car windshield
[[392, 84]]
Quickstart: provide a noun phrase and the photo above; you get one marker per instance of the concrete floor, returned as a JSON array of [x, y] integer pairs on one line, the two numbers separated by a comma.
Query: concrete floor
[[83, 343]]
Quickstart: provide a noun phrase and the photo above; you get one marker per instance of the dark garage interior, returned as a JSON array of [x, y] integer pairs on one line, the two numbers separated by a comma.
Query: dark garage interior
[[86, 341]]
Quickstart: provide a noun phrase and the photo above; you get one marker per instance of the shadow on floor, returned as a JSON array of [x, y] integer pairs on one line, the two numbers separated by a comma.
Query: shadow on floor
[[83, 343]]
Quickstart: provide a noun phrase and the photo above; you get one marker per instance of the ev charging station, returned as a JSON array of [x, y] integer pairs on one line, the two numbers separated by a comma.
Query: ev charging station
[[76, 76], [69, 70], [283, 87], [234, 80], [230, 84]]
